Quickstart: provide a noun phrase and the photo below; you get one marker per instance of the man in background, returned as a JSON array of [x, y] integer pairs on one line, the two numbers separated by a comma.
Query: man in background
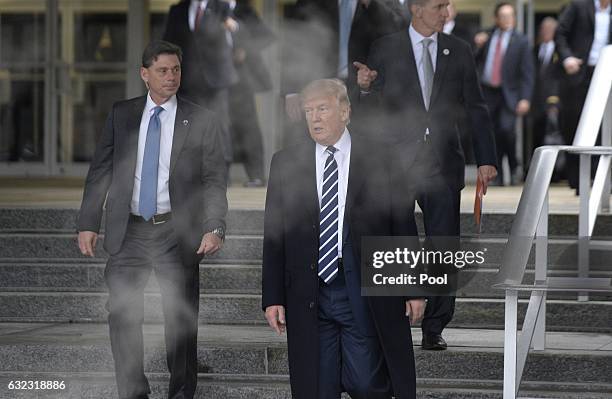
[[585, 28], [505, 63]]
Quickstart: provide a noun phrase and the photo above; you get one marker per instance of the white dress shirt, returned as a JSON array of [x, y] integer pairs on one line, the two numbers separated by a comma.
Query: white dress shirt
[[167, 117], [343, 159], [193, 11], [417, 48], [546, 52], [602, 29], [505, 38]]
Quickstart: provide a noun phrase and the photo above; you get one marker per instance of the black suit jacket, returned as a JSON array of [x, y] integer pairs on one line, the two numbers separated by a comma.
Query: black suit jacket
[[547, 84], [575, 33], [291, 243], [207, 56], [403, 118], [312, 48], [518, 70], [197, 182]]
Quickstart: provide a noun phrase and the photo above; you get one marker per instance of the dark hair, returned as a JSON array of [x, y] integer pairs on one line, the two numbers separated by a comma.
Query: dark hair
[[500, 5], [158, 47]]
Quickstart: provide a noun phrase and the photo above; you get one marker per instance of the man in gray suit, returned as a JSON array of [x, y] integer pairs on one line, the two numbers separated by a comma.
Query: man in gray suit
[[159, 170]]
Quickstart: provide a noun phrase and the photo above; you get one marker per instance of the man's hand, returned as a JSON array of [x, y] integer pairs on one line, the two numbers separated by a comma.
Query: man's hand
[[486, 173], [292, 107], [210, 244], [275, 315], [365, 75], [415, 308], [230, 24], [572, 65], [480, 39], [87, 242], [522, 107]]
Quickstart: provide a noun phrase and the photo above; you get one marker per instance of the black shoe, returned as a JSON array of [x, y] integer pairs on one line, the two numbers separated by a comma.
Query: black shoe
[[433, 342], [254, 183]]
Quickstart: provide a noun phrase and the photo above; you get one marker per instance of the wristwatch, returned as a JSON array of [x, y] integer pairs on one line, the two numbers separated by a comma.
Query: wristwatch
[[219, 232]]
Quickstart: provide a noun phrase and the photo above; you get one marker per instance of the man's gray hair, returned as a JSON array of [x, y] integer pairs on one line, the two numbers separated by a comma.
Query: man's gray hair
[[327, 88]]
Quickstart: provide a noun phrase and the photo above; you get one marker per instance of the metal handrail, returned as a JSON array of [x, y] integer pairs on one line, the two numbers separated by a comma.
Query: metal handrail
[[531, 221]]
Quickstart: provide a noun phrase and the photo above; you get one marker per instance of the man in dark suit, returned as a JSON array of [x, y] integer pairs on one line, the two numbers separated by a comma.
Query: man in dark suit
[[546, 93], [421, 96], [585, 27], [324, 38], [506, 69], [249, 41], [324, 194], [202, 28], [158, 170]]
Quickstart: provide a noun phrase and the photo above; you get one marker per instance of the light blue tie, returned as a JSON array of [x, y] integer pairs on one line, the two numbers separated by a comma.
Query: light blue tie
[[150, 163], [346, 19], [328, 220]]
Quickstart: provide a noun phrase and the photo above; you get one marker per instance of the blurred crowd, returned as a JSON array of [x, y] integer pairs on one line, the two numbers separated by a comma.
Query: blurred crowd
[[542, 84]]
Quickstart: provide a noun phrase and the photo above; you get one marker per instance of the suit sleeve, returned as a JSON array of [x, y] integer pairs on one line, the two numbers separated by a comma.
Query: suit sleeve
[[564, 30], [477, 112], [213, 179], [273, 275], [527, 72], [98, 180]]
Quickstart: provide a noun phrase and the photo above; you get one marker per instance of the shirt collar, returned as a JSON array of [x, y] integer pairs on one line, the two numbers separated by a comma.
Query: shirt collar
[[168, 106], [417, 38], [343, 145]]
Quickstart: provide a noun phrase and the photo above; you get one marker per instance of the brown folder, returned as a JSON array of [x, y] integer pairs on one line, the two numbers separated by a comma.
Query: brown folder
[[478, 204]]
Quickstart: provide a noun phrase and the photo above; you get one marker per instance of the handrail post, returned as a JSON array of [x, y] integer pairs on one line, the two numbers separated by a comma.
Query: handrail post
[[606, 140], [510, 344], [583, 221], [541, 273]]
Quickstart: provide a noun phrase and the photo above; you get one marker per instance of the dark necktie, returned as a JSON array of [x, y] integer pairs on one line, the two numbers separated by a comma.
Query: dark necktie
[[328, 220]]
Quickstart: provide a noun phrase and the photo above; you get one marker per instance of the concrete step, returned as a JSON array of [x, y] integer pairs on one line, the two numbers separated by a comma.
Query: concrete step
[[41, 220], [562, 315], [84, 385], [62, 247], [241, 221], [474, 355], [221, 278]]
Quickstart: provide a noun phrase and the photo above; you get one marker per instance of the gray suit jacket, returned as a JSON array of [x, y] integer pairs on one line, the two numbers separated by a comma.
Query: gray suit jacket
[[197, 183]]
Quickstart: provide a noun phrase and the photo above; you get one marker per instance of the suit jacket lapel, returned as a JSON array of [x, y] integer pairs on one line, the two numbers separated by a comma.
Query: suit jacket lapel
[[442, 61], [132, 133], [356, 177], [182, 125], [307, 187], [410, 63]]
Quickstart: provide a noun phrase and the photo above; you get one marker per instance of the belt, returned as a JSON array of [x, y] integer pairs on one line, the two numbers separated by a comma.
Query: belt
[[156, 219]]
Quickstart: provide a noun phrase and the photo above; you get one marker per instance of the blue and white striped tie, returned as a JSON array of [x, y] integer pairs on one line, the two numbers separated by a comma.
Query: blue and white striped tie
[[328, 220]]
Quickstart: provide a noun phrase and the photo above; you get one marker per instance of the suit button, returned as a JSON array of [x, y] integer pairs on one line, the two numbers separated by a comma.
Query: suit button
[[311, 305], [312, 266], [314, 226]]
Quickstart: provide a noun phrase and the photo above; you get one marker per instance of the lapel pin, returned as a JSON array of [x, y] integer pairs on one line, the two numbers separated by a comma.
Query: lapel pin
[[446, 51], [185, 122]]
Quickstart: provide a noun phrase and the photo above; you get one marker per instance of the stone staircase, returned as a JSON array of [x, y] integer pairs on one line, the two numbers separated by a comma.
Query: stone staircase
[[53, 320]]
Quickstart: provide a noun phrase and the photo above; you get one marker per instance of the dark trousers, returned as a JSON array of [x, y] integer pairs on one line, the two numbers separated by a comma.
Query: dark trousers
[[573, 96], [246, 134], [504, 122], [440, 204], [152, 247], [348, 360]]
